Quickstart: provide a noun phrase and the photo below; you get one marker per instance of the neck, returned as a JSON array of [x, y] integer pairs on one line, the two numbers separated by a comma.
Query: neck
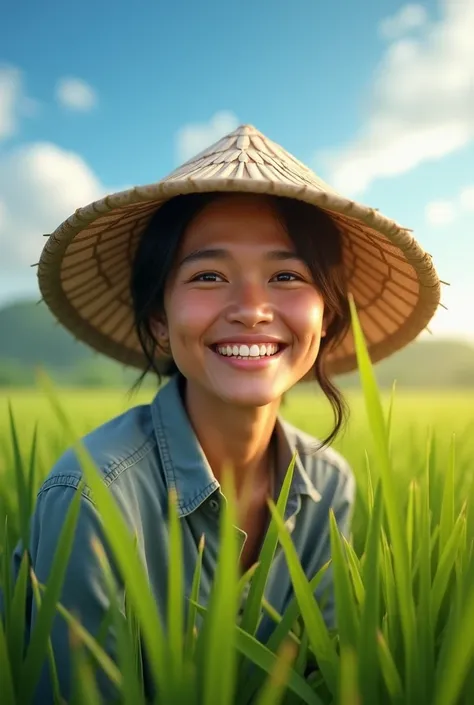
[[232, 437]]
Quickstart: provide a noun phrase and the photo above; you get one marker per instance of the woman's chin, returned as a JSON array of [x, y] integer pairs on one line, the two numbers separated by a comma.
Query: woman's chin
[[248, 394]]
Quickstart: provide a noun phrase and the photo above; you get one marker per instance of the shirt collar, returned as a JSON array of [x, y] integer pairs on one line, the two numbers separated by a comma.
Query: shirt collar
[[186, 468]]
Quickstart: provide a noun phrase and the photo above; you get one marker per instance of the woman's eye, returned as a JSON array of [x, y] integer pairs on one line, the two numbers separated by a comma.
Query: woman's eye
[[287, 276], [207, 277]]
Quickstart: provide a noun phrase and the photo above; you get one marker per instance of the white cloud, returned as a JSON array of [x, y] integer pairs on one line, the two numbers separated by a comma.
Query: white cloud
[[466, 199], [440, 213], [408, 18], [40, 186], [422, 104], [13, 101], [76, 94], [195, 137], [10, 92], [446, 211]]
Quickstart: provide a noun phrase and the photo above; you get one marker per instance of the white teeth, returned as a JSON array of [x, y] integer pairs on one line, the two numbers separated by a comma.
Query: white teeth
[[246, 351]]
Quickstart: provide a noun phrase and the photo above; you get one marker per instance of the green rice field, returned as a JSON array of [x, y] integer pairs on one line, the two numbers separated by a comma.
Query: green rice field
[[403, 586]]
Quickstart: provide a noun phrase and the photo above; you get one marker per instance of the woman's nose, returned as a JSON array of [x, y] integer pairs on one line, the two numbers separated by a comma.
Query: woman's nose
[[249, 305]]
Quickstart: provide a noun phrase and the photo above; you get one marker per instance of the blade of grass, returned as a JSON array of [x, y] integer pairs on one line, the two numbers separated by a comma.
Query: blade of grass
[[6, 584], [355, 571], [446, 525], [245, 580], [40, 635], [85, 689], [20, 481], [135, 637], [6, 676], [348, 686], [192, 611], [33, 464], [391, 676], [261, 656], [121, 542], [97, 652], [410, 522], [457, 660], [15, 631], [50, 654], [317, 631], [266, 660], [252, 608], [175, 620], [220, 655], [368, 671], [130, 687], [283, 631], [398, 539], [445, 567], [346, 609], [274, 688], [424, 608]]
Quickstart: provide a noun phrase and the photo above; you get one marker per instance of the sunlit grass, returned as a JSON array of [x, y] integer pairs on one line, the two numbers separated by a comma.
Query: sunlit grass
[[404, 588]]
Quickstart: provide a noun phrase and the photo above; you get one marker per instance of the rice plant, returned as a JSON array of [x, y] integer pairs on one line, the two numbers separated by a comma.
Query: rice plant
[[404, 590]]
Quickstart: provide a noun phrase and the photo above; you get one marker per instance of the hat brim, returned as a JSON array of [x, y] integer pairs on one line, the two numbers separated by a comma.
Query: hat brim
[[85, 266]]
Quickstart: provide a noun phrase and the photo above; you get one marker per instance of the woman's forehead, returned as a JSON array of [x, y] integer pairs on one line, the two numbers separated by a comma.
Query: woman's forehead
[[236, 218]]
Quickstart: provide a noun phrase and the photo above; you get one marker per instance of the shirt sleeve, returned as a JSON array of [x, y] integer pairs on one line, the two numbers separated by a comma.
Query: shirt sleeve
[[84, 592]]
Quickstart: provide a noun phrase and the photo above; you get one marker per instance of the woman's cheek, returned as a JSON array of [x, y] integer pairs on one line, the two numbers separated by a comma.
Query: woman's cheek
[[306, 315], [191, 316]]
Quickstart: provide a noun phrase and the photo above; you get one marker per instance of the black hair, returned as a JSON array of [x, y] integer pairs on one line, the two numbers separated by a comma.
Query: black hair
[[317, 240]]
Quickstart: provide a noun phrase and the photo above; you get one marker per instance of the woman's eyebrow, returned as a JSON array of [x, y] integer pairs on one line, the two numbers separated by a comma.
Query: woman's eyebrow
[[198, 255], [219, 253]]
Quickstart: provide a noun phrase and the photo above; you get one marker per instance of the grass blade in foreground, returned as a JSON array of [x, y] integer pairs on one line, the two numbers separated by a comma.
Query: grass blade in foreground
[[130, 686], [265, 659], [274, 689], [220, 657], [122, 544], [349, 686], [85, 689], [458, 657], [254, 600], [368, 665], [40, 636], [175, 621], [50, 652], [397, 535], [319, 638], [6, 676], [346, 609], [16, 623], [282, 631], [20, 482], [192, 611]]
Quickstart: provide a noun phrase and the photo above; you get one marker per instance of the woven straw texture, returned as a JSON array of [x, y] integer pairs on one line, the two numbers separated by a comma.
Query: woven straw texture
[[85, 265]]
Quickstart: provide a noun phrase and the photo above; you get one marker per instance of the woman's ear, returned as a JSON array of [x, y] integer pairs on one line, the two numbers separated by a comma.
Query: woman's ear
[[160, 331], [327, 320]]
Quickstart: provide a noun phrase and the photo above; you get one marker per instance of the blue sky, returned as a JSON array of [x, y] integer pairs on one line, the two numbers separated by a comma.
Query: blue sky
[[377, 97]]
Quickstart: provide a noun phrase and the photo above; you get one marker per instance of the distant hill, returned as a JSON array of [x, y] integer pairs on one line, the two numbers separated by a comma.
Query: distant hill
[[29, 337]]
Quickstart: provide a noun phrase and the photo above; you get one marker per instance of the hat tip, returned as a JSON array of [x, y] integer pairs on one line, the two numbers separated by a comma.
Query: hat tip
[[246, 129]]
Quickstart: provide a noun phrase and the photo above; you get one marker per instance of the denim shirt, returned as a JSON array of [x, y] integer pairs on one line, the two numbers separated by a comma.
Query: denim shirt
[[141, 455]]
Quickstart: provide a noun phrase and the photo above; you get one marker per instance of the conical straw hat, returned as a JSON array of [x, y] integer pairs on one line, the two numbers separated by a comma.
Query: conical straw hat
[[85, 266]]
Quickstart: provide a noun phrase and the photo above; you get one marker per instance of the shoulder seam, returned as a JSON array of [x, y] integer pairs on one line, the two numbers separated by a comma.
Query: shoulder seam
[[109, 472]]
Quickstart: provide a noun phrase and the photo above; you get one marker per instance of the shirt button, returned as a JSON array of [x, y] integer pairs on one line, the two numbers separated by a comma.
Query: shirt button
[[214, 504]]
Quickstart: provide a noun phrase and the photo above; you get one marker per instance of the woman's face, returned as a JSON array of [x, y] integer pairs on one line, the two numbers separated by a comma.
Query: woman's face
[[243, 316]]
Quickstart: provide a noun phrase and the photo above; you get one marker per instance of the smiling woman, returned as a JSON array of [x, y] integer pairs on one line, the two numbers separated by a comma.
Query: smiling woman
[[231, 278], [226, 273]]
